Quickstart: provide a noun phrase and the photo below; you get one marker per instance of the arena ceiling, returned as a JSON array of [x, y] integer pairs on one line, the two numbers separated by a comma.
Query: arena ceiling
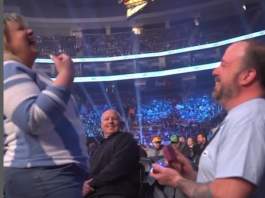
[[101, 8], [112, 3], [97, 3], [45, 13]]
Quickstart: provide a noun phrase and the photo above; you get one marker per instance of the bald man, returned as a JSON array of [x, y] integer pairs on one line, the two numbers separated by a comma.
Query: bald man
[[115, 164], [232, 164]]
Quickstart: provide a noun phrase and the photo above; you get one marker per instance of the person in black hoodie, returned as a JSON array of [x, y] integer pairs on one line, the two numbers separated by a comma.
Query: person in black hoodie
[[114, 166]]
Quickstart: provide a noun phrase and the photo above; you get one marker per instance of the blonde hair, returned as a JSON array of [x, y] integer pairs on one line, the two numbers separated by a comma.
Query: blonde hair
[[11, 17]]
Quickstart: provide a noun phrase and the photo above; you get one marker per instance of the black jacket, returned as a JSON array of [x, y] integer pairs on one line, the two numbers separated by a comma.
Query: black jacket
[[114, 167], [199, 150], [195, 150], [202, 147], [185, 150], [142, 152]]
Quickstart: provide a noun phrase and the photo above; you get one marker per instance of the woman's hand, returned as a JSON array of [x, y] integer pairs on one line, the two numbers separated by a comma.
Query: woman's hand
[[65, 67], [63, 63]]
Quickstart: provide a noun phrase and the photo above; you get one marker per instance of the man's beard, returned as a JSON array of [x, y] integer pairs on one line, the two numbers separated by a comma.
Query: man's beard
[[226, 92]]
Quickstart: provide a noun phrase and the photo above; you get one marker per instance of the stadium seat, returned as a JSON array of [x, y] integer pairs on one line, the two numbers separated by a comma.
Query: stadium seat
[[156, 158], [147, 163]]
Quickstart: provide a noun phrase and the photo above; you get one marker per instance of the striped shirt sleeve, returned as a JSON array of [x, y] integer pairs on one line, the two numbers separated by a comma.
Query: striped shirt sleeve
[[32, 110]]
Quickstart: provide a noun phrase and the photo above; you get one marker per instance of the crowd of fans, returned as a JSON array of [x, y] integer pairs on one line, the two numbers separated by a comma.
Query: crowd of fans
[[120, 44], [161, 116], [108, 45], [165, 39], [57, 45], [150, 40]]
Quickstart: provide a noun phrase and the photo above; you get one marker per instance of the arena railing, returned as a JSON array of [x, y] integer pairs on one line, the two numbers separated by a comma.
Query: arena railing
[[165, 53]]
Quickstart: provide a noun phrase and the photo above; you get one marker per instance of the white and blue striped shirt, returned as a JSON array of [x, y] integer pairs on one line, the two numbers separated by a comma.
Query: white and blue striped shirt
[[41, 122]]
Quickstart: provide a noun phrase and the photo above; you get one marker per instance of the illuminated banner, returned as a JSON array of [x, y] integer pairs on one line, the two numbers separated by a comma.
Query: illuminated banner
[[164, 83], [160, 83], [147, 74], [158, 54]]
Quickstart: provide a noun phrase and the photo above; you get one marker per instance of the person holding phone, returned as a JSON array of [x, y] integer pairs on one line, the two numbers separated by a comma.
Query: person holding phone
[[232, 165]]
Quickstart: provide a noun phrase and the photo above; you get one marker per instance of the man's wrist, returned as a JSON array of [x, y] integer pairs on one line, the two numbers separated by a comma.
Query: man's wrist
[[192, 176], [177, 179]]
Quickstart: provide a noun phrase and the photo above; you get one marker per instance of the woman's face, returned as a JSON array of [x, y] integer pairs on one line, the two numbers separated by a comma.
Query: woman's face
[[21, 43], [189, 142]]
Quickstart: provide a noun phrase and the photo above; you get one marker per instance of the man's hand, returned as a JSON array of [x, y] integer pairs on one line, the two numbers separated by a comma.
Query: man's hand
[[86, 188], [221, 188], [183, 166], [165, 176]]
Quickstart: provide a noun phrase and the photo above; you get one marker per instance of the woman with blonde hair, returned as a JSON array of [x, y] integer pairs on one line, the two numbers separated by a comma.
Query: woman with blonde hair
[[46, 153]]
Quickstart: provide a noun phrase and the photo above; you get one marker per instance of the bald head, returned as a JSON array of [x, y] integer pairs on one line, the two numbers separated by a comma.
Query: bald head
[[236, 52], [111, 111], [110, 122], [240, 48]]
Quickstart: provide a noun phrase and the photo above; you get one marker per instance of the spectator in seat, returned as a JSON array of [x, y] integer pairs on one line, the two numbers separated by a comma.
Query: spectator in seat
[[178, 145], [158, 148], [194, 151], [182, 139], [114, 166], [202, 141], [194, 148]]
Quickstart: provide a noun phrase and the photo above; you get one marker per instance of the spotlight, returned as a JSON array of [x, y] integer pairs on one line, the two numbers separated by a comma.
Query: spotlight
[[197, 21]]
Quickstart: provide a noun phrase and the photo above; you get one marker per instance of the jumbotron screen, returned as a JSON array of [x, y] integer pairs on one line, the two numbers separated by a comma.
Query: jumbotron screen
[[134, 6]]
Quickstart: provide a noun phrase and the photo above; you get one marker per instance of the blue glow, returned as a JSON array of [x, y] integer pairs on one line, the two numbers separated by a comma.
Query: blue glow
[[165, 53]]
